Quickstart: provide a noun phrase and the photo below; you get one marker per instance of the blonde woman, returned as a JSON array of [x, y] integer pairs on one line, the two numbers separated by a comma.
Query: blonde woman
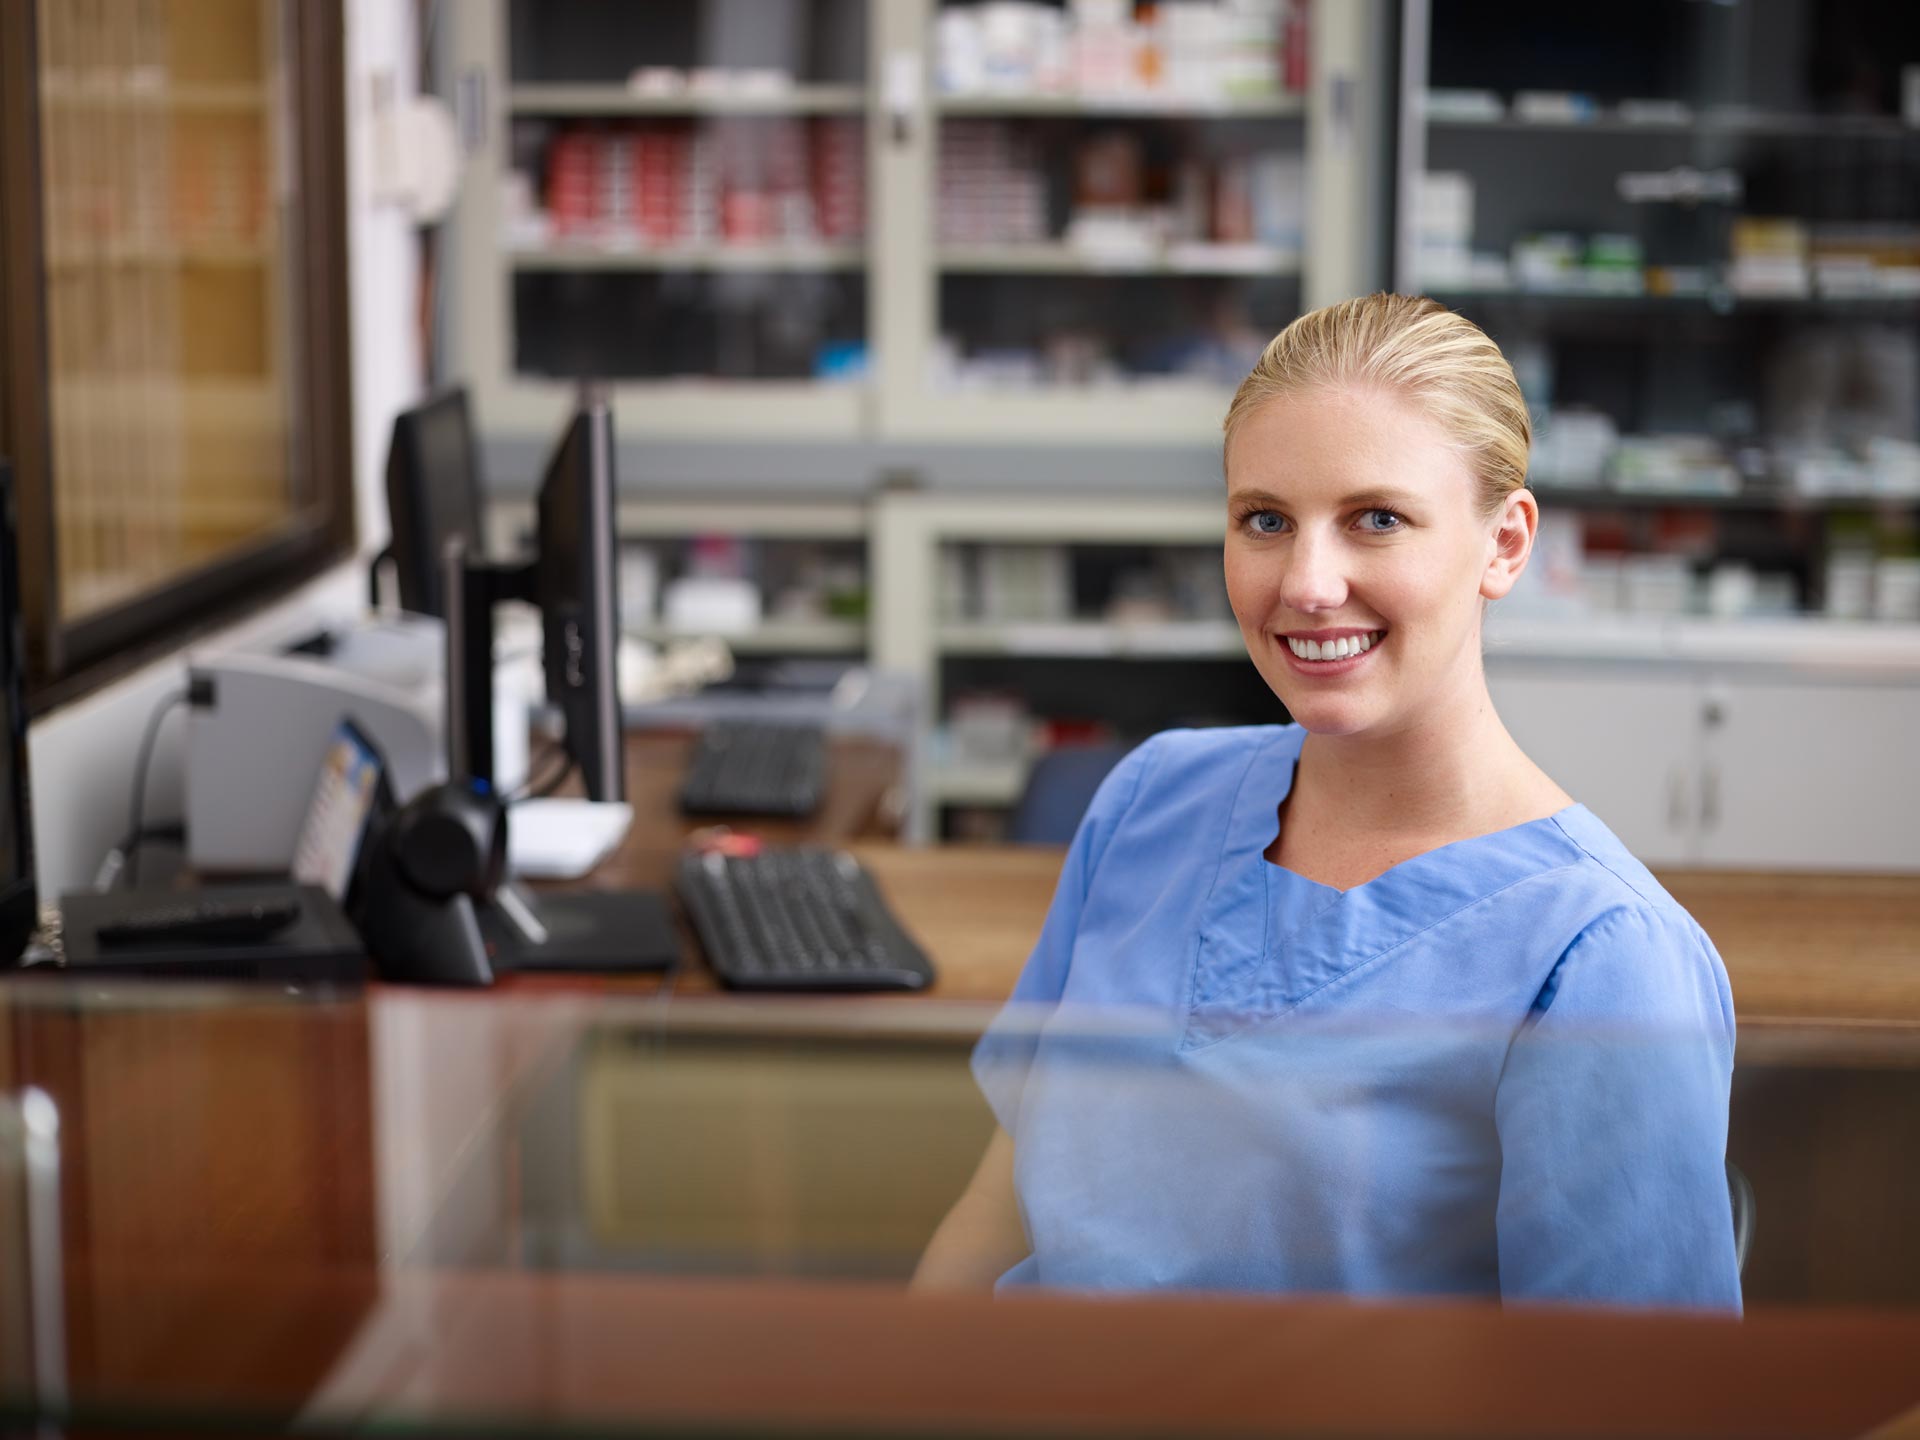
[[1364, 1004]]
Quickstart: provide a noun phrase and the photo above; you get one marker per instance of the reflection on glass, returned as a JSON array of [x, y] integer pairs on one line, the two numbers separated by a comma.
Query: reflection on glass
[[438, 1211], [168, 267]]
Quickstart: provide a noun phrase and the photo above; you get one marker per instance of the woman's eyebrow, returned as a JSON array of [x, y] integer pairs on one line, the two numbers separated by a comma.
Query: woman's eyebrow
[[1378, 499], [1382, 499]]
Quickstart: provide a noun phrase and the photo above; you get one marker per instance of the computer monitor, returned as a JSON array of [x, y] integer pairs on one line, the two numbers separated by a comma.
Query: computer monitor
[[433, 495], [575, 582], [573, 579], [19, 901]]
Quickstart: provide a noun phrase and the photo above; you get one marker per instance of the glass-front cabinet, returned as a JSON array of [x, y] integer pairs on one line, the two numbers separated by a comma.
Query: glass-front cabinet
[[670, 197], [1695, 229], [1116, 197], [865, 219]]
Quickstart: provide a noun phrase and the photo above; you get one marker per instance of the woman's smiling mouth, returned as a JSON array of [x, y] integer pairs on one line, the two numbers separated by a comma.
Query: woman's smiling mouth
[[1330, 653]]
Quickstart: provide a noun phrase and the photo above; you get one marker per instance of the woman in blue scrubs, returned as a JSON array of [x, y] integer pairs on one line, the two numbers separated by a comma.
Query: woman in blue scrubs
[[1364, 1004]]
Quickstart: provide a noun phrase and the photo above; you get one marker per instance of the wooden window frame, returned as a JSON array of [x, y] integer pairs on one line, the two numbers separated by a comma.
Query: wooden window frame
[[67, 658]]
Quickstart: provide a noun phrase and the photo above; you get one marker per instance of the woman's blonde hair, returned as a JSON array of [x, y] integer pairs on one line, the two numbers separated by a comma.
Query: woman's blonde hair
[[1414, 347]]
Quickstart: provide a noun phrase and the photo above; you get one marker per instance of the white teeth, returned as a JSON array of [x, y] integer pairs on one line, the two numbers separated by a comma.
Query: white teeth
[[1341, 649]]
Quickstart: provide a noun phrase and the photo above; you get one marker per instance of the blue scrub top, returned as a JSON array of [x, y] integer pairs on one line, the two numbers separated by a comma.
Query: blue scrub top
[[1499, 1068]]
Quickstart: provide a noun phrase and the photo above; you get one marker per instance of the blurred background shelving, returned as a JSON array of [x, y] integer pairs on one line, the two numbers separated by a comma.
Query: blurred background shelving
[[843, 214], [986, 276]]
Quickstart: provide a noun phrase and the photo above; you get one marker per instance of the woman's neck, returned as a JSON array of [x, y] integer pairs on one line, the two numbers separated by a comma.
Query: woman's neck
[[1454, 771]]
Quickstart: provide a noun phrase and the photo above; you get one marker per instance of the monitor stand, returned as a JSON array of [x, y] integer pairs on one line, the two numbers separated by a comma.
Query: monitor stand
[[596, 931]]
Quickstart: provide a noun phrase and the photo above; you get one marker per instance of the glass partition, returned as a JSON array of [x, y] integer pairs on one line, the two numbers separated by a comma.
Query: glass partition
[[586, 1212]]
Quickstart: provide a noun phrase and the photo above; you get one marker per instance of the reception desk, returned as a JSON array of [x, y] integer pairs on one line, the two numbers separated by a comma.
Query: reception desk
[[593, 1204]]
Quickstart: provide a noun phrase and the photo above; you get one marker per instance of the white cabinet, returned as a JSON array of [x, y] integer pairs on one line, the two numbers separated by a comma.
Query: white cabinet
[[1625, 744], [1810, 775], [1691, 764]]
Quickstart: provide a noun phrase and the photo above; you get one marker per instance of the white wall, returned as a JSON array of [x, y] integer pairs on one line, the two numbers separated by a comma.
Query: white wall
[[389, 370], [81, 758]]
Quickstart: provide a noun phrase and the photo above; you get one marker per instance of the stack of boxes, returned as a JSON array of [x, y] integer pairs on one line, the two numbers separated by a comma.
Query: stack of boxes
[[991, 188], [840, 178], [745, 181], [1186, 50]]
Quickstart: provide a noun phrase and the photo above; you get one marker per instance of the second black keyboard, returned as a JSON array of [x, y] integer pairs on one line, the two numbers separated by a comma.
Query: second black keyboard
[[798, 919], [755, 768]]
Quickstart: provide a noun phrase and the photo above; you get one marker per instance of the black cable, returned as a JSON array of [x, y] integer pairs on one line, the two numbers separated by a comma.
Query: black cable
[[540, 789], [136, 827], [553, 782]]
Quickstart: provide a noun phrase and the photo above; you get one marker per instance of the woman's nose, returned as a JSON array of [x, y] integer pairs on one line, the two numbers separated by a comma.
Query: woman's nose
[[1314, 579]]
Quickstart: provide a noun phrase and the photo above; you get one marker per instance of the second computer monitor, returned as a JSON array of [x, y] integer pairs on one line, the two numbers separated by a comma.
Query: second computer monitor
[[575, 584], [433, 495]]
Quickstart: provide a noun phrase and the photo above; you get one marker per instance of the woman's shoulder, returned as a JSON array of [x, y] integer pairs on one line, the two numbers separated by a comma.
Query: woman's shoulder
[[1637, 940], [1215, 754]]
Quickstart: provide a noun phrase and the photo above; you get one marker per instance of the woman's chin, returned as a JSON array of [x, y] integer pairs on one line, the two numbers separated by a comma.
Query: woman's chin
[[1329, 714]]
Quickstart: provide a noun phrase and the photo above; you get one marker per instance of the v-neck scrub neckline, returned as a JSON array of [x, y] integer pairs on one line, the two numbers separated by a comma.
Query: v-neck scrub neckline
[[1313, 934]]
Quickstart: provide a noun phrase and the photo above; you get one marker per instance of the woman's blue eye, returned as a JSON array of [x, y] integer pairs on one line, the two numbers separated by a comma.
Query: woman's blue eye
[[1372, 518], [1264, 522]]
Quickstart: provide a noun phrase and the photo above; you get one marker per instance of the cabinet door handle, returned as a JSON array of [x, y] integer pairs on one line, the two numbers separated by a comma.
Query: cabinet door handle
[[1710, 798], [902, 93], [1677, 798], [471, 109]]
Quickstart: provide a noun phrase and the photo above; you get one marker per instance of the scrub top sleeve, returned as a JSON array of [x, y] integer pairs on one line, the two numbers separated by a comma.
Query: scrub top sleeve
[[1005, 1051], [1612, 1120]]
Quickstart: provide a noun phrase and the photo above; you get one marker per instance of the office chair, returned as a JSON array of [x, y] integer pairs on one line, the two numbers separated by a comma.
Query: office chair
[[1059, 789], [1740, 1191]]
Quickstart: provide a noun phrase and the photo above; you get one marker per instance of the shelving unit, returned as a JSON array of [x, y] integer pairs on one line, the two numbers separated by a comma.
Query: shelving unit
[[1067, 259], [1715, 250], [776, 519], [1094, 639], [891, 303], [910, 406], [772, 637], [589, 257], [612, 101], [992, 106], [1729, 121]]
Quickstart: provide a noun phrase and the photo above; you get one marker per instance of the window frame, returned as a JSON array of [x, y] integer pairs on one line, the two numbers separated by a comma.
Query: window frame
[[69, 658]]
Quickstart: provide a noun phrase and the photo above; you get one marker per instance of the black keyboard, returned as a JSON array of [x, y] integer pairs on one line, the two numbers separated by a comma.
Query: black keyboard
[[755, 768], [798, 920]]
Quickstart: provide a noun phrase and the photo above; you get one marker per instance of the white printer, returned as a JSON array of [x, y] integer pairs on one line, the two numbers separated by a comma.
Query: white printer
[[256, 737]]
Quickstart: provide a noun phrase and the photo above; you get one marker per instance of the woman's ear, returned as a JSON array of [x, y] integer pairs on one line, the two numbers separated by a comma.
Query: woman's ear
[[1512, 543]]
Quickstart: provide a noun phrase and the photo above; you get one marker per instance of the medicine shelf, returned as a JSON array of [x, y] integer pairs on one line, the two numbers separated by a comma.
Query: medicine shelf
[[1592, 498], [588, 256], [1094, 639], [992, 784], [1717, 301], [660, 517], [771, 637], [608, 101], [1068, 259], [1173, 107], [1736, 122]]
